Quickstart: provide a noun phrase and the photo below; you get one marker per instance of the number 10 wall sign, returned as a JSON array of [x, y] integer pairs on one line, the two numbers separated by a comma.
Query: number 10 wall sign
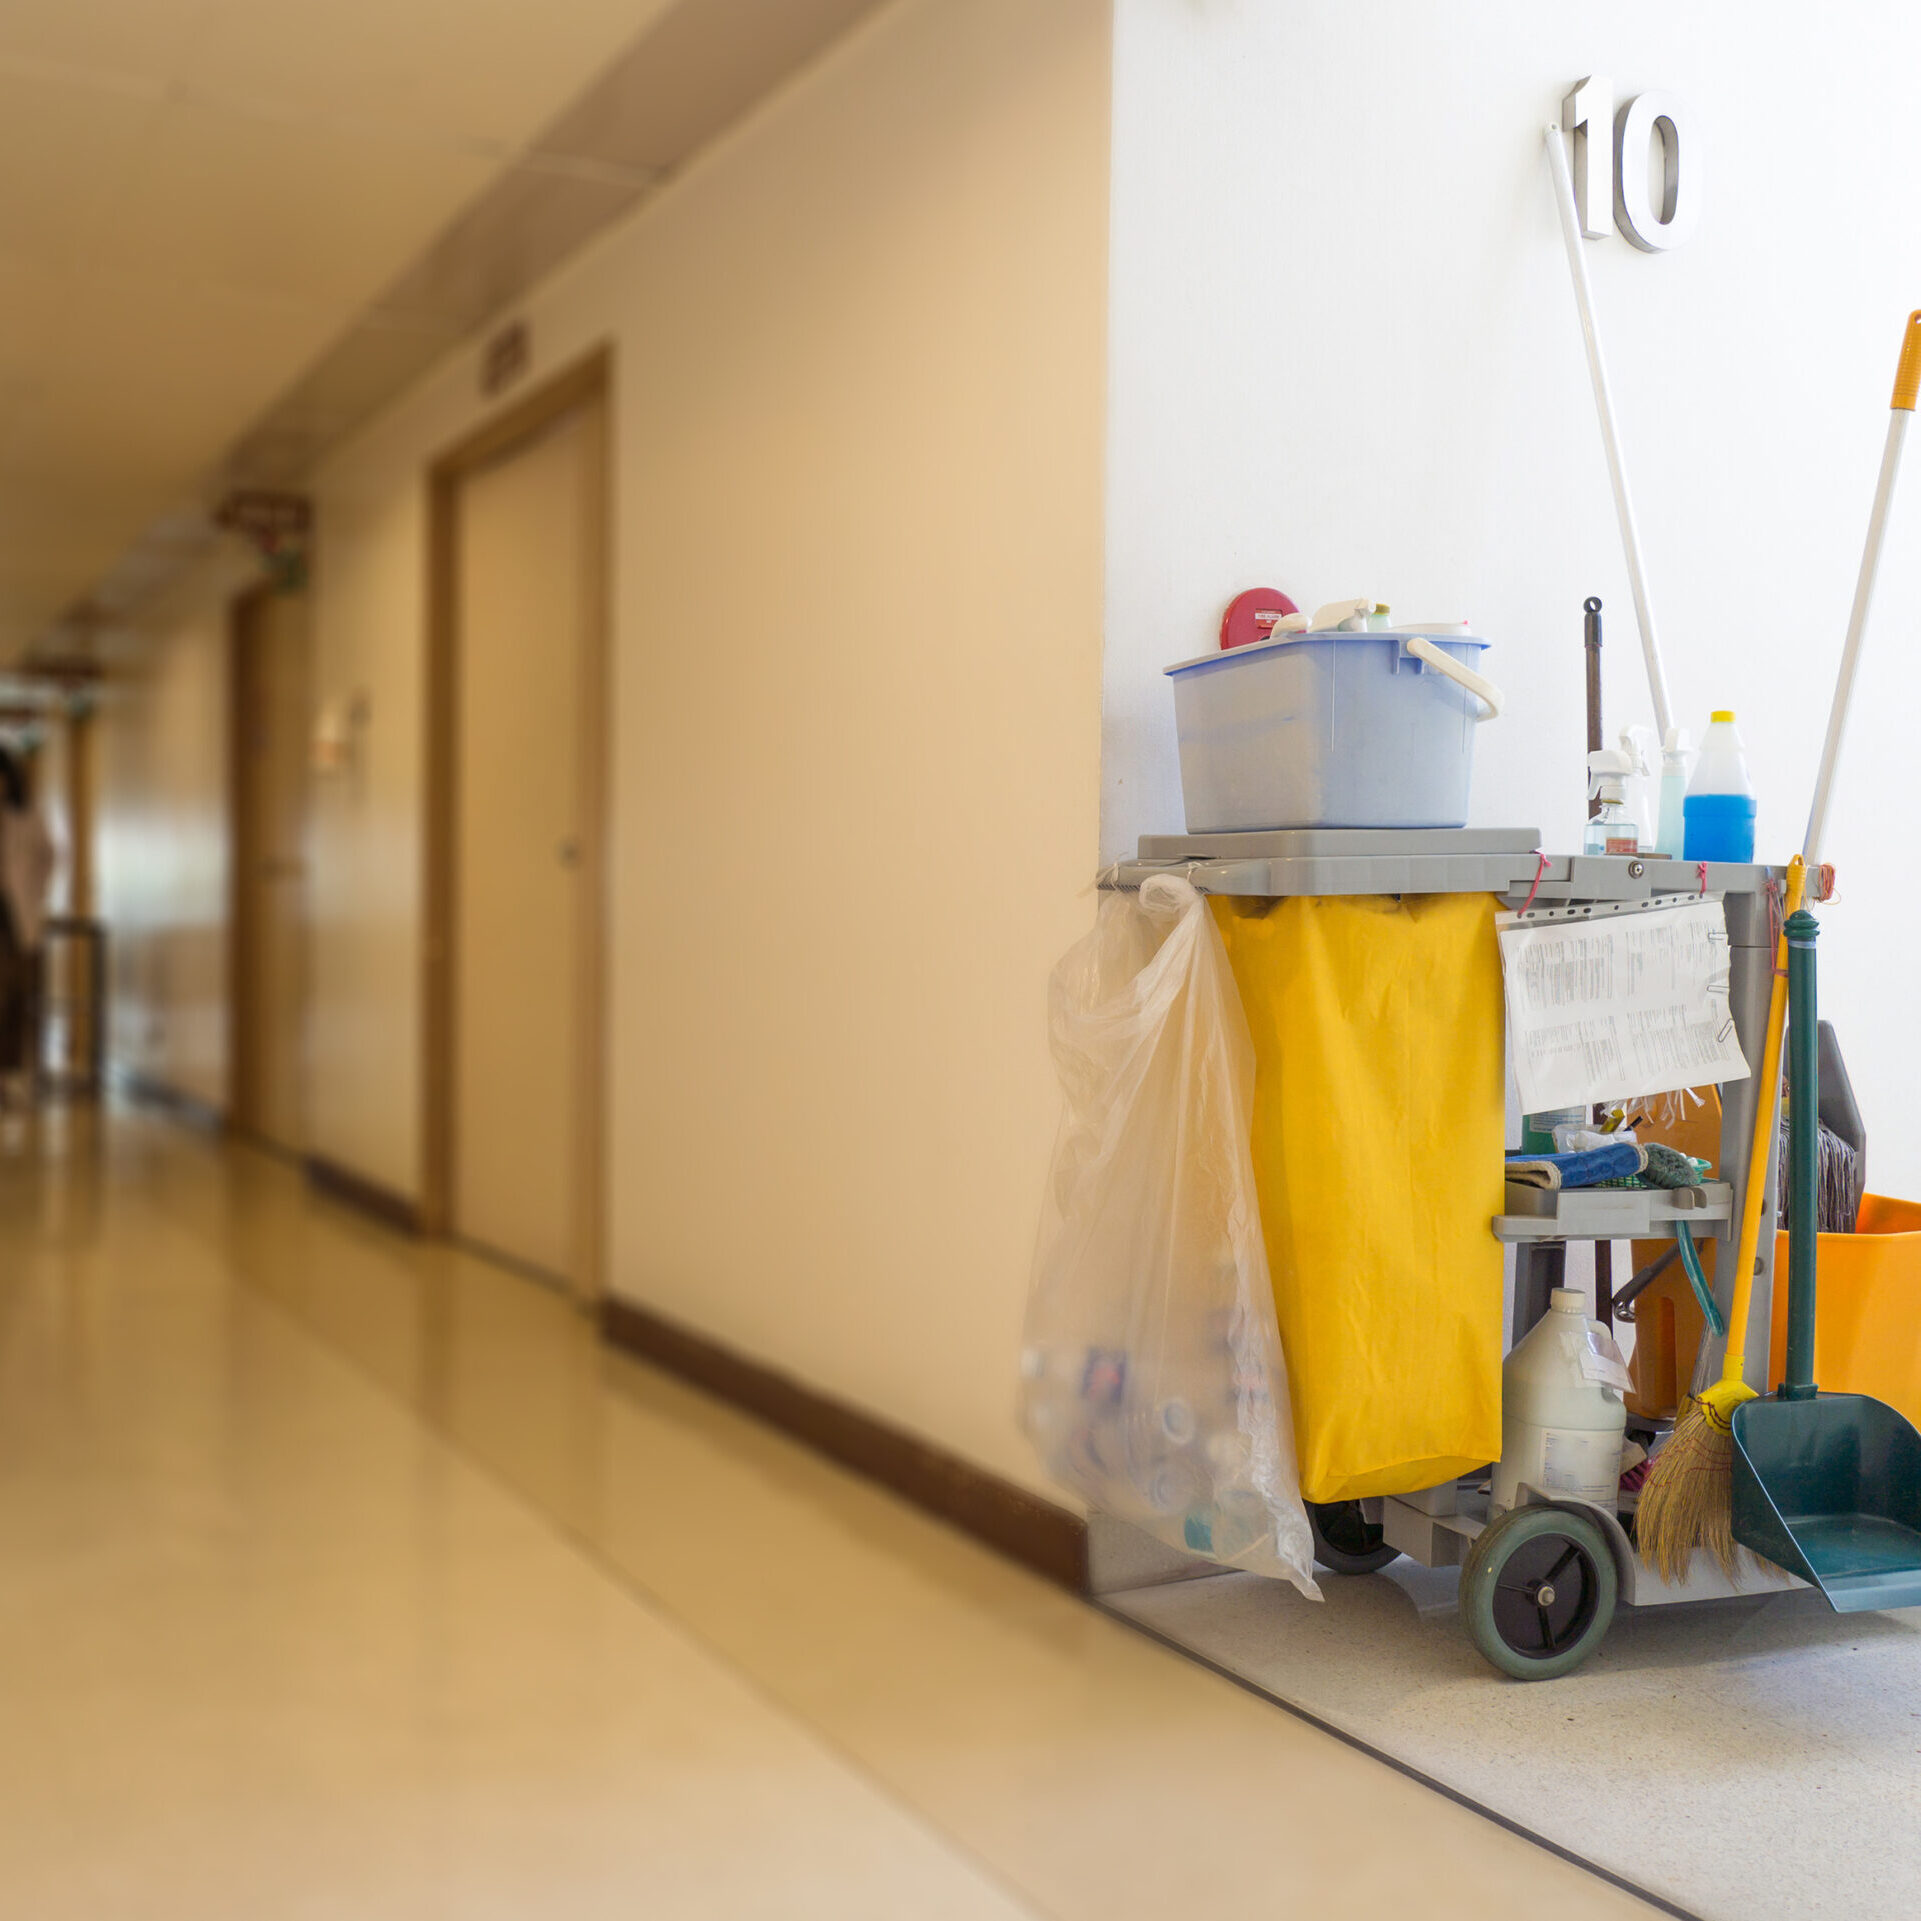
[[1653, 222]]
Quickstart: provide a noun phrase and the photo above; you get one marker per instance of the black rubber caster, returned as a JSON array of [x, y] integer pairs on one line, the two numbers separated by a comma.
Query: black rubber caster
[[1345, 1540]]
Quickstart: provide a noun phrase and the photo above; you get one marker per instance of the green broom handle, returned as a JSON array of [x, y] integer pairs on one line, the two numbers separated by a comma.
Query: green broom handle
[[1804, 1152]]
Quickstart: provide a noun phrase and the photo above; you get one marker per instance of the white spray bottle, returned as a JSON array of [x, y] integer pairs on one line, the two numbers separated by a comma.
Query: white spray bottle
[[1613, 829]]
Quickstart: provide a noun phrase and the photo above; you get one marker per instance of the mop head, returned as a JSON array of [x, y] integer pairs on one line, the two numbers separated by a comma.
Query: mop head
[[1688, 1501], [1669, 1167], [1837, 1199]]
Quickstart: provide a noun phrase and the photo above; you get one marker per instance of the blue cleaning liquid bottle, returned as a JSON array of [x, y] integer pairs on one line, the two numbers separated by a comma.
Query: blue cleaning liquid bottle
[[1718, 813]]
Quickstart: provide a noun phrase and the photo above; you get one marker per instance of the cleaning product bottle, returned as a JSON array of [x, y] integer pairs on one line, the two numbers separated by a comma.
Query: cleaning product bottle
[[1719, 809], [1610, 831], [1563, 1418], [1538, 1130], [1670, 836], [1643, 748]]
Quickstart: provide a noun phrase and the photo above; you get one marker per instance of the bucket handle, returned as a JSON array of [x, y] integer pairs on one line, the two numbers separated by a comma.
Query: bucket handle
[[1483, 689]]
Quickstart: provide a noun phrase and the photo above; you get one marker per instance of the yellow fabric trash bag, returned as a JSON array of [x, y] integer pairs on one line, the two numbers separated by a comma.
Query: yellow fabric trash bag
[[1379, 1129]]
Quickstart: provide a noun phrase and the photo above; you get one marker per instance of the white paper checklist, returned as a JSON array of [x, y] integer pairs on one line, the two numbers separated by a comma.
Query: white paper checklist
[[1608, 1007]]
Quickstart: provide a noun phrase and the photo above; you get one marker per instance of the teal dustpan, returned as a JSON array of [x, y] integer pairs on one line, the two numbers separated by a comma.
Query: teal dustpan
[[1827, 1486]]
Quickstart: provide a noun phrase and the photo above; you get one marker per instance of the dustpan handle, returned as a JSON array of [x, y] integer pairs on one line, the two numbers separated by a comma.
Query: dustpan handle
[[1483, 689]]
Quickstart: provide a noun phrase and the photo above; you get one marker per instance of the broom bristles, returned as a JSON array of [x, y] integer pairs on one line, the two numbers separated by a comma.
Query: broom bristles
[[1687, 1501]]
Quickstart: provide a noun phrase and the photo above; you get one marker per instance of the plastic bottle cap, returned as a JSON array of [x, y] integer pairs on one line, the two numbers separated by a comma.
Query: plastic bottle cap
[[1676, 741], [1722, 713], [1567, 1300]]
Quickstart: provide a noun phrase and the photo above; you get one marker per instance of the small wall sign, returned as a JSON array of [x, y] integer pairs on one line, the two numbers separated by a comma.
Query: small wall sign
[[504, 359]]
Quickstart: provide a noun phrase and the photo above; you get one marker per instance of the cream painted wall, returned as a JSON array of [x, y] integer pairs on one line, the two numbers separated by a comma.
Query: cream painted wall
[[1345, 360], [163, 832], [858, 416]]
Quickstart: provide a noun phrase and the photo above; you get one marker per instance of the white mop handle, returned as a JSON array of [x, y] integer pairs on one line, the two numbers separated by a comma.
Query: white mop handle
[[1906, 381], [1604, 404]]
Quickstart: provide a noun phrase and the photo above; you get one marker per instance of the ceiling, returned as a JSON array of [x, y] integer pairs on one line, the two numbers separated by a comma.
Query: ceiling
[[230, 228]]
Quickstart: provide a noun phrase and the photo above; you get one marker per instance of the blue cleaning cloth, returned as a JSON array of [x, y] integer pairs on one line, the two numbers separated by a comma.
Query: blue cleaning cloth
[[1586, 1169]]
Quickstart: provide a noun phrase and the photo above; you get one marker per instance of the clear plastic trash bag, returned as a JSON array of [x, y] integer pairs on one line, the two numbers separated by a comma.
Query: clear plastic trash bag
[[1152, 1380]]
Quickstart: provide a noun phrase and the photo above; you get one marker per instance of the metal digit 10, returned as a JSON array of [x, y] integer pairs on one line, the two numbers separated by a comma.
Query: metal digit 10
[[1653, 223]]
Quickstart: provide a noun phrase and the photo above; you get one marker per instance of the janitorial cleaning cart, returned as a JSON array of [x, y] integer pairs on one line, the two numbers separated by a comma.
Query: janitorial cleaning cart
[[1569, 1561], [1300, 1301]]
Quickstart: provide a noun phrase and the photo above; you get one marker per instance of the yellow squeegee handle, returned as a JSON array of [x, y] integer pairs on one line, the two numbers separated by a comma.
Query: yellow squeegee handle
[[1767, 1097]]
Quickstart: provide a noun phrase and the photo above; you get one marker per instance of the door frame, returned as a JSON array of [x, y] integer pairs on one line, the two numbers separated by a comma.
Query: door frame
[[588, 382], [243, 947], [79, 722]]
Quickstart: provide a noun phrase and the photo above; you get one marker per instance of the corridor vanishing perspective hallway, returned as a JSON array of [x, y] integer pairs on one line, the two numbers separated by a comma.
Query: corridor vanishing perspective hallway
[[347, 1574]]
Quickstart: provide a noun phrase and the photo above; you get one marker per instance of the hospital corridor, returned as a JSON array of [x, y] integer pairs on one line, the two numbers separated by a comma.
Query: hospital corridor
[[953, 961], [352, 1574]]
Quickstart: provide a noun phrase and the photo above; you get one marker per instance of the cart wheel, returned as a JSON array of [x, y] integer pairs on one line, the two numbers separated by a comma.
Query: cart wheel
[[1345, 1540], [1538, 1592]]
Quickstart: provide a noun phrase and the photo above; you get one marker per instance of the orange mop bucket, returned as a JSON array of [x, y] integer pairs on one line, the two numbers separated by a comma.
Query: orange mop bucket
[[1867, 1329], [1867, 1322]]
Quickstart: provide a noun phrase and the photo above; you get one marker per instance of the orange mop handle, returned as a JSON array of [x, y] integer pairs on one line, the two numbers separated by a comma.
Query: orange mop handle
[[1767, 1098]]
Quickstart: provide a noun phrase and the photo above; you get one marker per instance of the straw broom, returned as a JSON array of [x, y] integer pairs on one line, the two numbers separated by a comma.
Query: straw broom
[[1687, 1500]]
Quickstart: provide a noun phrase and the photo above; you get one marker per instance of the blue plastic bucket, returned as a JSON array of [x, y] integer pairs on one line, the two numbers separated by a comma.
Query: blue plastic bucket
[[1331, 730]]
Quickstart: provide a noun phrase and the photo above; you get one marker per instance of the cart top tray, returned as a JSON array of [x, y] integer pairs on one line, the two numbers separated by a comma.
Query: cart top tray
[[1427, 860]]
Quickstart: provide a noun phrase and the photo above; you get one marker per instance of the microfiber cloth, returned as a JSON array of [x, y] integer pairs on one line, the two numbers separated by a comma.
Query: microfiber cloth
[[1586, 1169]]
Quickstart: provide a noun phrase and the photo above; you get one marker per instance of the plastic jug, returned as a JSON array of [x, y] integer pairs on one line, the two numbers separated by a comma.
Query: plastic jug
[[1718, 813], [1563, 1418]]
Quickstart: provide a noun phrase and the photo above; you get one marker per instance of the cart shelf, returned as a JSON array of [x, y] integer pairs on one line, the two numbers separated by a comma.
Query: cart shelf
[[1613, 1213]]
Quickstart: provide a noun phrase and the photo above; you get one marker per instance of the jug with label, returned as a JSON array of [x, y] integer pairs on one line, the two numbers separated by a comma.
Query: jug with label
[[1563, 1418]]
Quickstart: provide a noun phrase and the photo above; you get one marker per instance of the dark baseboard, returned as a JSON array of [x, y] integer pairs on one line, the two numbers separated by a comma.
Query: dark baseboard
[[188, 1109], [356, 1191], [1027, 1529]]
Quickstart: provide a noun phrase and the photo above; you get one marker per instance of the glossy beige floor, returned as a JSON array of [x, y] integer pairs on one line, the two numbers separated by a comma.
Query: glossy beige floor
[[348, 1576]]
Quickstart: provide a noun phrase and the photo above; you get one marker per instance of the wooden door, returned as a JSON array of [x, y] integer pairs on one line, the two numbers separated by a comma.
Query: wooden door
[[524, 869]]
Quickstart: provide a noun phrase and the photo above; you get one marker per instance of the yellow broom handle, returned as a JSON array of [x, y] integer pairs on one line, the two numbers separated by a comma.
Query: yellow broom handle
[[1767, 1096]]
